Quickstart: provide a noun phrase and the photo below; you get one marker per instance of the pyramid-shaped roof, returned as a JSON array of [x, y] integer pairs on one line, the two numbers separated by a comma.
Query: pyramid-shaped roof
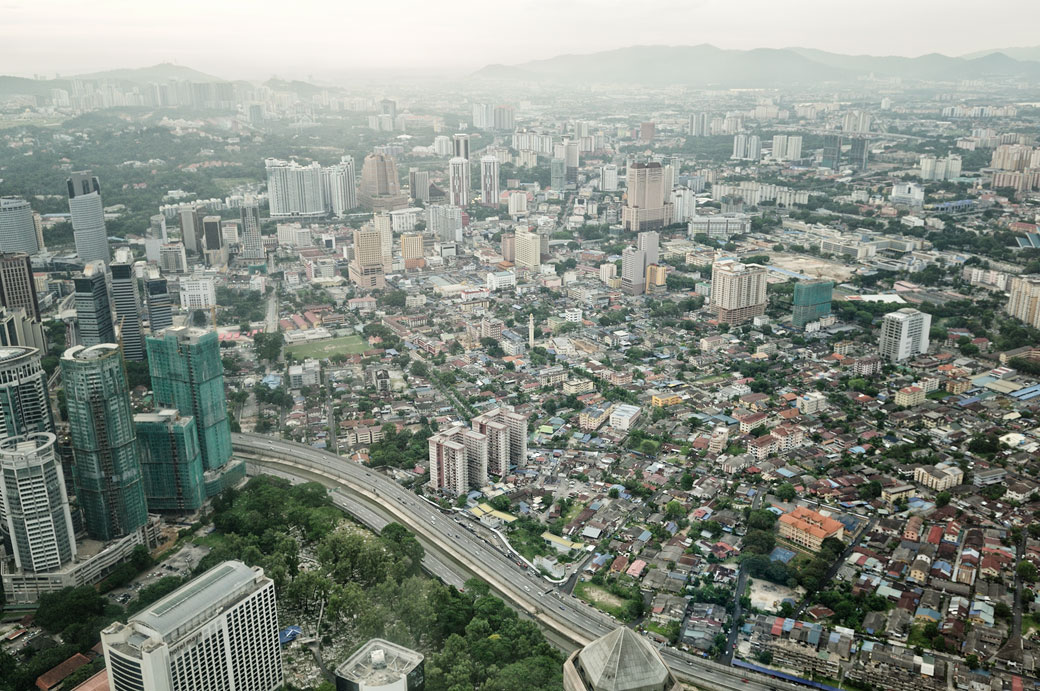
[[624, 661]]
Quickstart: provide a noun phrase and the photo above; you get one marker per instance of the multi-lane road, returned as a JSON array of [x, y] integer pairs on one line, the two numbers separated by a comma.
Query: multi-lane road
[[455, 554]]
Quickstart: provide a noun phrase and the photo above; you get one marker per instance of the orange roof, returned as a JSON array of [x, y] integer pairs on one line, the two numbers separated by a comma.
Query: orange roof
[[56, 675], [809, 521], [98, 682]]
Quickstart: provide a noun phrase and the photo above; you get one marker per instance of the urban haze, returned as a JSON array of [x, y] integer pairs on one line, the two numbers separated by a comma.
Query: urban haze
[[580, 346]]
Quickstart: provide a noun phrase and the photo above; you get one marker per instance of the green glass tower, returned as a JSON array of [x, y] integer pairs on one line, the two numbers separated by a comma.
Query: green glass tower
[[106, 467], [170, 461], [187, 374], [812, 300]]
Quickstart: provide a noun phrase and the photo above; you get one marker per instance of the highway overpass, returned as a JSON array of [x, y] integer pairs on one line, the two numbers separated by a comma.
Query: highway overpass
[[372, 498]]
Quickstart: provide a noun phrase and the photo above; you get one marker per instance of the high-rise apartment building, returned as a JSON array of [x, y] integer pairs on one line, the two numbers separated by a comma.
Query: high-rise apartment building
[[219, 632], [812, 300], [506, 433], [1024, 302], [252, 241], [127, 304], [366, 268], [904, 334], [633, 271], [34, 503], [340, 182], [458, 460], [698, 126], [747, 147], [458, 181], [460, 146], [445, 222], [160, 311], [380, 188], [107, 472], [648, 205], [489, 184], [171, 461], [608, 178], [24, 405], [384, 225], [294, 190], [88, 217], [93, 308], [188, 375], [17, 287], [17, 226], [528, 250], [738, 291], [787, 147]]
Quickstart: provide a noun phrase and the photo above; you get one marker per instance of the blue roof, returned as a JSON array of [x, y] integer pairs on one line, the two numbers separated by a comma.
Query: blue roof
[[289, 634], [781, 554], [785, 472], [645, 536]]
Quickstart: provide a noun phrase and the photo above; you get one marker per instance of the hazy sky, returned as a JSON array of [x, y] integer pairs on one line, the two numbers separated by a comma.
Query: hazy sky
[[257, 38]]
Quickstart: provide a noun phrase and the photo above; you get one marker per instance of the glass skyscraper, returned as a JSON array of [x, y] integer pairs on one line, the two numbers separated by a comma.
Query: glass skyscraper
[[170, 460], [187, 374], [812, 300], [107, 469]]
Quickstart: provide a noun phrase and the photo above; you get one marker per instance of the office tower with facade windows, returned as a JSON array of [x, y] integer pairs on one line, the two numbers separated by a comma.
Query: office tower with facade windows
[[812, 300], [188, 375], [411, 246], [127, 304], [34, 503], [528, 250], [160, 310], [458, 460], [88, 217], [93, 308], [859, 153], [366, 268], [1024, 300], [831, 152], [341, 186], [218, 632], [107, 470], [191, 229], [460, 146], [215, 249], [17, 226], [570, 160], [252, 241], [294, 190], [24, 405], [557, 173], [157, 228], [458, 181], [648, 206], [489, 184], [419, 185], [384, 225], [506, 433], [198, 293], [738, 291], [608, 178], [17, 287], [380, 188], [171, 461], [649, 242], [904, 334], [16, 329]]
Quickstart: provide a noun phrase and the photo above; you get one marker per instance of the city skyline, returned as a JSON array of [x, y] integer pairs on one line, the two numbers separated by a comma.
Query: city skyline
[[129, 35]]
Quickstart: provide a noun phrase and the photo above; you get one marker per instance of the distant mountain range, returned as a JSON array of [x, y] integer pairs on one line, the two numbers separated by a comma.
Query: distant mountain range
[[707, 65], [1031, 53], [162, 72]]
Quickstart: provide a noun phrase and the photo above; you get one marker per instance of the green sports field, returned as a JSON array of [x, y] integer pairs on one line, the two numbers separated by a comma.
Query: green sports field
[[344, 345]]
